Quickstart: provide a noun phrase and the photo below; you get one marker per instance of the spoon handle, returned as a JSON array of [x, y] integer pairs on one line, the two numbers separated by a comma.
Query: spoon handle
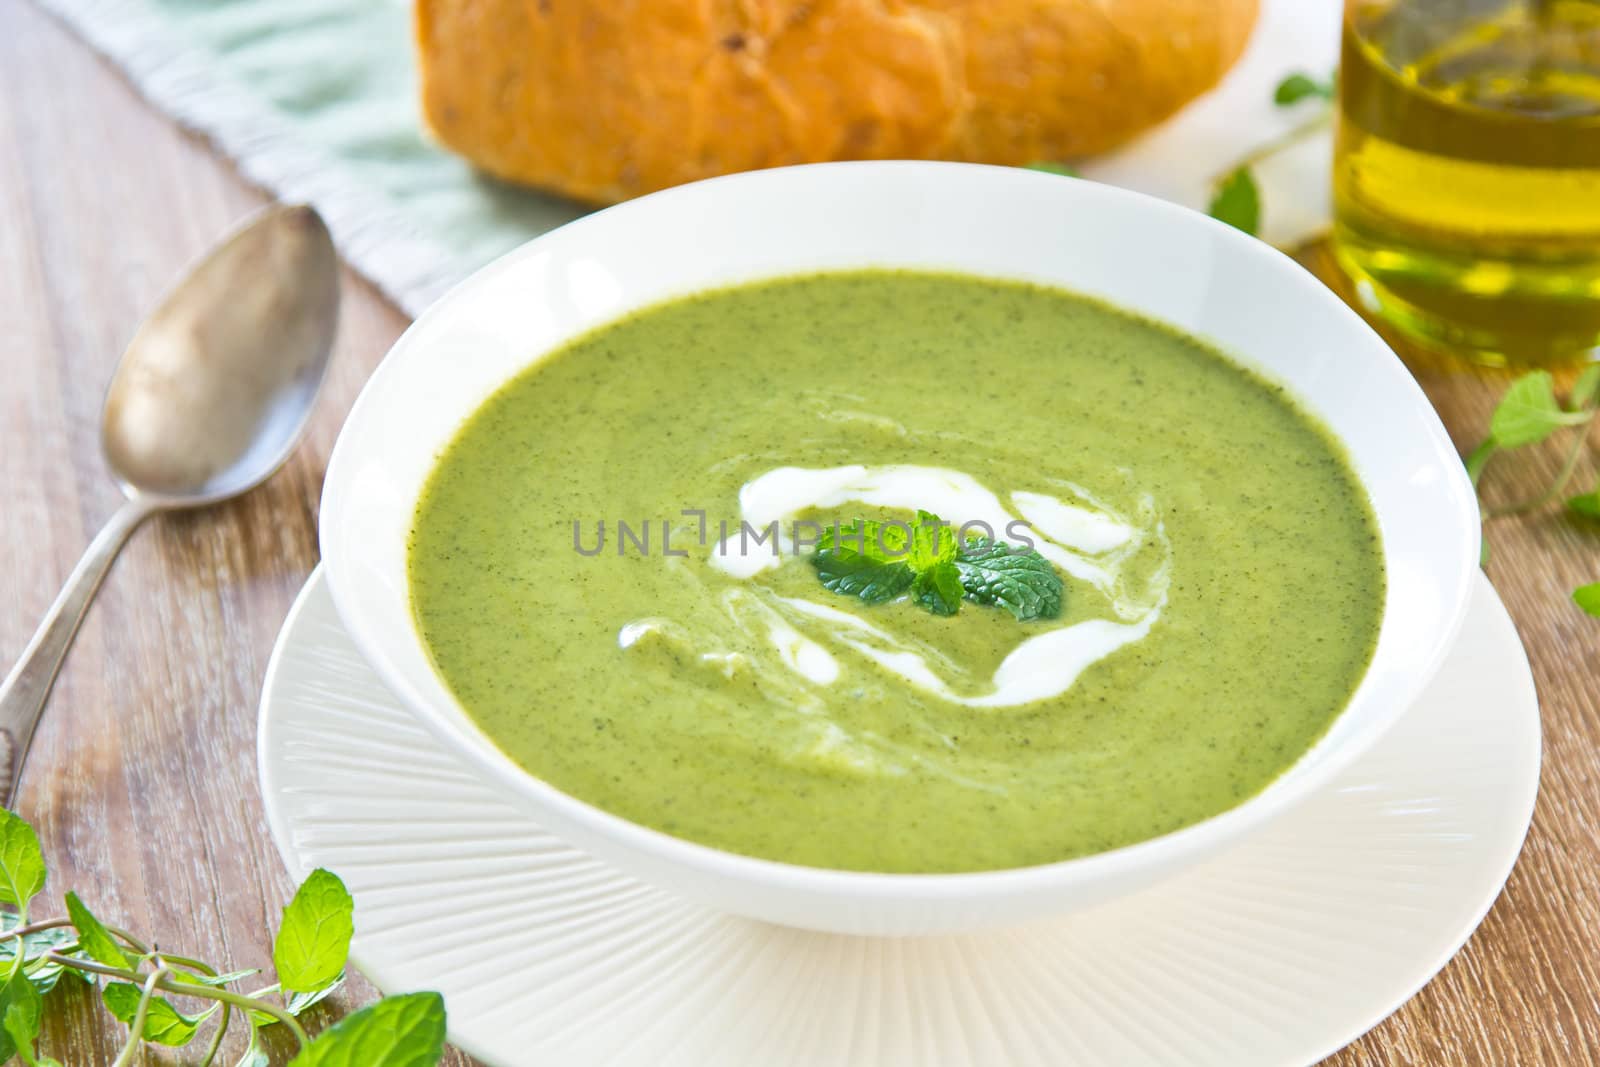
[[23, 693]]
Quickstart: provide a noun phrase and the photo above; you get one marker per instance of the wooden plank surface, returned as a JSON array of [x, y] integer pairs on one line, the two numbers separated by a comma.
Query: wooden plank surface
[[142, 782]]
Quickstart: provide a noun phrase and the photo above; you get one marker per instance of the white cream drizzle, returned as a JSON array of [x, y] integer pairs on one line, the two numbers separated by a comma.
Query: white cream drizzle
[[1091, 543]]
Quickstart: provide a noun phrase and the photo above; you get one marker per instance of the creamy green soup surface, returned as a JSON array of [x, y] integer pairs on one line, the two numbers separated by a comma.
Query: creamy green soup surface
[[1222, 573]]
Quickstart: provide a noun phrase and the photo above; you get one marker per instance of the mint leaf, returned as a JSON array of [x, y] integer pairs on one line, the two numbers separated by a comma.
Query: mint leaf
[[163, 1024], [851, 574], [401, 1031], [1237, 202], [881, 542], [938, 570], [314, 941], [1587, 597], [1024, 583], [35, 947], [1063, 169], [1584, 388], [851, 560], [1301, 86], [19, 1016], [939, 587], [932, 542], [22, 870], [94, 938], [1528, 412], [300, 1003], [1585, 504], [215, 980]]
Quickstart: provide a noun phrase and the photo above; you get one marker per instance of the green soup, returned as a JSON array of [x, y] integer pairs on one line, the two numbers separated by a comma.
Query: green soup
[[1221, 571]]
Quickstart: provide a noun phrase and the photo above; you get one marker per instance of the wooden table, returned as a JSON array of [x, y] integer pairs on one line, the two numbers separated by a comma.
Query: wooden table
[[142, 782]]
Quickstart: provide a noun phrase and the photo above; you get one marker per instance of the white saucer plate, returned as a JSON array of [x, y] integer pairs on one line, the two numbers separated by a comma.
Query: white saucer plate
[[1278, 953]]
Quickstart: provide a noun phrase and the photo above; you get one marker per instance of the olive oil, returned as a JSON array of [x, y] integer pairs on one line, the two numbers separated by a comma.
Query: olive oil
[[1467, 173]]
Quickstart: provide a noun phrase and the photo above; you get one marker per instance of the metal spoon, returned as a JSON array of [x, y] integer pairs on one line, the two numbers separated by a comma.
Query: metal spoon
[[208, 401]]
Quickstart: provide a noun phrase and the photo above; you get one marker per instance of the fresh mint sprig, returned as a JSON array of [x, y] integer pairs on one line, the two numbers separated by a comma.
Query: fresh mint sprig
[[1528, 414], [879, 561], [310, 953]]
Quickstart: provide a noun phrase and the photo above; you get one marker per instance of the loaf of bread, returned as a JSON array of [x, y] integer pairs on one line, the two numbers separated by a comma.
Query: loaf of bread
[[602, 100]]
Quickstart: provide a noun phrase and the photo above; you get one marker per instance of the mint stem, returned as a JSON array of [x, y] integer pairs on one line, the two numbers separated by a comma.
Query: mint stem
[[185, 989], [136, 1030]]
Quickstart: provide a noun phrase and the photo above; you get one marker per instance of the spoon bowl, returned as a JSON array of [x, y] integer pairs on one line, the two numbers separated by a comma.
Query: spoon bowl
[[210, 398], [215, 388]]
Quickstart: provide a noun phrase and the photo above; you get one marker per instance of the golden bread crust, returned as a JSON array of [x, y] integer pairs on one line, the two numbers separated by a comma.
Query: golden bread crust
[[607, 99]]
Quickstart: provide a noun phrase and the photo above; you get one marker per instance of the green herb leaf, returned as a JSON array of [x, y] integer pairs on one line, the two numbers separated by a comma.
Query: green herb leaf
[[19, 1017], [1528, 412], [939, 588], [1063, 169], [300, 1003], [863, 559], [1024, 583], [1585, 504], [1584, 388], [22, 870], [881, 542], [400, 1031], [1587, 597], [34, 945], [850, 574], [95, 940], [163, 1024], [313, 943], [215, 981], [939, 571], [1237, 202], [932, 542], [43, 973], [1301, 86]]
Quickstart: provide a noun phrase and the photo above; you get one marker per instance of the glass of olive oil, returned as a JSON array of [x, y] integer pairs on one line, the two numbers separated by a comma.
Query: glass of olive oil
[[1467, 173]]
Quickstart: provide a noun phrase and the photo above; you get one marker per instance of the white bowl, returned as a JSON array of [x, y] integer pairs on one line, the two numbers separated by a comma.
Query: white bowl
[[1147, 255]]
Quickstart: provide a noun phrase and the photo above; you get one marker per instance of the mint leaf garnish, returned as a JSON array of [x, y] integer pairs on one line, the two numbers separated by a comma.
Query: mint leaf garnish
[[932, 542], [863, 559], [1587, 597], [877, 562], [1024, 583], [939, 588]]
